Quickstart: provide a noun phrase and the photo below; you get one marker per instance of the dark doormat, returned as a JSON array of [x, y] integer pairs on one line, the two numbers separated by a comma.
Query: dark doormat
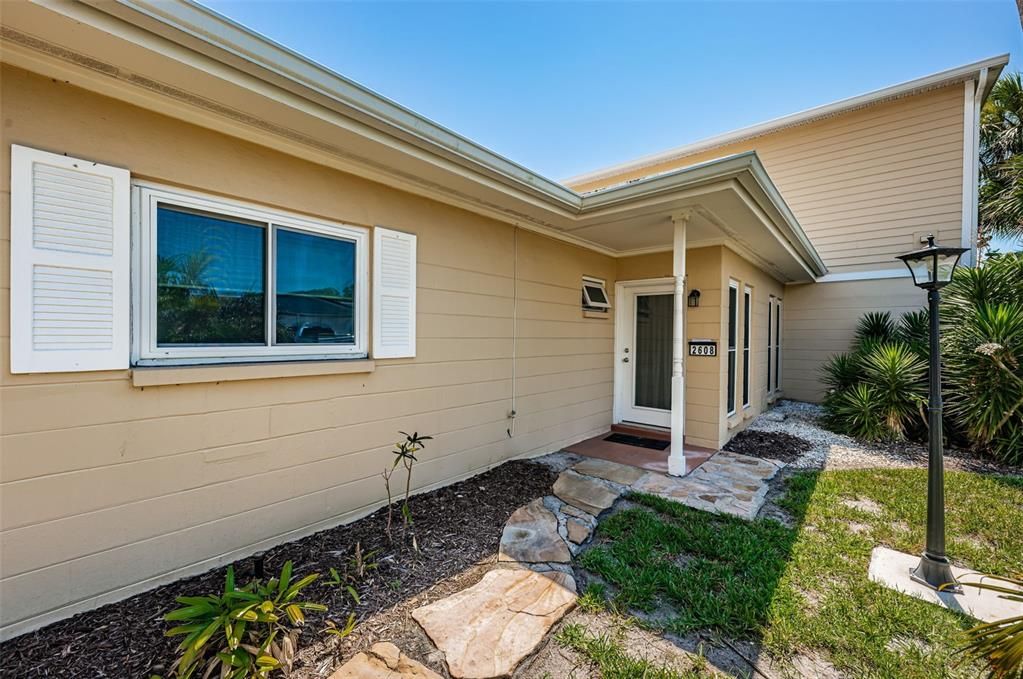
[[638, 441]]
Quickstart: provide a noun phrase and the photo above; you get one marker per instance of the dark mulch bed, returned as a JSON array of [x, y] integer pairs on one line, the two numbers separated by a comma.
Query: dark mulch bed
[[455, 527], [774, 445]]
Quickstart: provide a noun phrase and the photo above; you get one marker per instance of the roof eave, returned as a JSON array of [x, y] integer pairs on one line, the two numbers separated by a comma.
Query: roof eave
[[741, 166], [196, 27]]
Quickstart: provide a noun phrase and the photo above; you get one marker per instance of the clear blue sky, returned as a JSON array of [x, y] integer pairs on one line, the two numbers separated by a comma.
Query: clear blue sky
[[563, 88]]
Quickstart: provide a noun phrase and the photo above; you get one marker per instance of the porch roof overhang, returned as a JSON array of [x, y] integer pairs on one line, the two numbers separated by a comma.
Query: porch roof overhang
[[181, 59]]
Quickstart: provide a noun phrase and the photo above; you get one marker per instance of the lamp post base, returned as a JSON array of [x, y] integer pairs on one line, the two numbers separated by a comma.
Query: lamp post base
[[936, 573]]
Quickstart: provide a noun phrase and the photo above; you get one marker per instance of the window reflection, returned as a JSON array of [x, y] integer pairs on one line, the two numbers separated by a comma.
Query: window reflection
[[210, 280], [315, 281]]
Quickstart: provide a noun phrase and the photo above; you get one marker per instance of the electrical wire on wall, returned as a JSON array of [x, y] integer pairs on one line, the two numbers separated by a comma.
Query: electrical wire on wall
[[515, 326]]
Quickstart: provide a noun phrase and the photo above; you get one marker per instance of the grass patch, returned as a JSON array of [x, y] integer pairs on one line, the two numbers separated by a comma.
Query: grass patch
[[805, 589], [610, 657], [715, 572]]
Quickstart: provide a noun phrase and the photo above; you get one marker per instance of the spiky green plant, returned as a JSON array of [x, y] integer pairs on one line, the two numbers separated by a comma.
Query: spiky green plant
[[984, 367], [896, 376], [842, 371], [999, 644], [982, 344], [914, 329], [876, 326], [856, 411]]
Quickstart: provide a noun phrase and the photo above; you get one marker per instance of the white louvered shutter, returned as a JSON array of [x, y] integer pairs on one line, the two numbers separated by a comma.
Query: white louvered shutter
[[394, 294], [69, 264]]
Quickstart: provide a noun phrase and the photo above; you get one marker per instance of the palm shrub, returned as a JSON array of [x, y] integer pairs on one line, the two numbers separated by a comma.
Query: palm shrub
[[999, 644], [982, 344], [896, 374], [1001, 160], [876, 390], [914, 328], [854, 411], [875, 327]]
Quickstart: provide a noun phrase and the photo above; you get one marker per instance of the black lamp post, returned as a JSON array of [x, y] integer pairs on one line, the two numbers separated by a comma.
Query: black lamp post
[[932, 269]]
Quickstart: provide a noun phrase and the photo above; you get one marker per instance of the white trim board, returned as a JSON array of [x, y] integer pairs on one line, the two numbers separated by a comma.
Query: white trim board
[[843, 276], [974, 92]]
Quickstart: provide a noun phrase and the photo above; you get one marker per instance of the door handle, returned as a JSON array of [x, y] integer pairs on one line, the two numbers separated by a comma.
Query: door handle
[[625, 360]]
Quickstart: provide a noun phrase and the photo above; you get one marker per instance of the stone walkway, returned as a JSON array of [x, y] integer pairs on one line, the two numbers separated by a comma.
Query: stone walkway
[[486, 630]]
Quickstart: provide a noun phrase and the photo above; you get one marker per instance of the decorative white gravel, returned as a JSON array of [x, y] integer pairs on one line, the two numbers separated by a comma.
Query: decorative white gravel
[[829, 450]]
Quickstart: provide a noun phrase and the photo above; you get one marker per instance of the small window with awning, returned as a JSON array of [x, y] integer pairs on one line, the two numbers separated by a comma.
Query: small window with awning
[[595, 295]]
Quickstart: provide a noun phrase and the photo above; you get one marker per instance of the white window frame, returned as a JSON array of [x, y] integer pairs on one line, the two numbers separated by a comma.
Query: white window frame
[[732, 351], [590, 304], [747, 338], [147, 197]]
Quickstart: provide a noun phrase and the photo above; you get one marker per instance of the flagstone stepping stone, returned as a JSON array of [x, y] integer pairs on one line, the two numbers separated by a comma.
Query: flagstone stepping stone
[[609, 471], [383, 660], [531, 536], [729, 483], [488, 629], [585, 492], [569, 510], [578, 532]]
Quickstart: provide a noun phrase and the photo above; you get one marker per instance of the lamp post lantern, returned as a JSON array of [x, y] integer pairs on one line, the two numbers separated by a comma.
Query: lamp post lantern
[[931, 268]]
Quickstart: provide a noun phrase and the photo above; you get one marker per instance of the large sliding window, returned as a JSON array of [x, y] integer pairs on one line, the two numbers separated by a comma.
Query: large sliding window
[[225, 281], [733, 319], [747, 298]]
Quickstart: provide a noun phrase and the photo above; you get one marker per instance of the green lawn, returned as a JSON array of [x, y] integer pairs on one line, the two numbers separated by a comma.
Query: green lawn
[[805, 589]]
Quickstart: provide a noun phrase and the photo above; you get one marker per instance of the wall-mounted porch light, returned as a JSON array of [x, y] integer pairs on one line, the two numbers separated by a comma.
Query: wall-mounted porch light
[[694, 298]]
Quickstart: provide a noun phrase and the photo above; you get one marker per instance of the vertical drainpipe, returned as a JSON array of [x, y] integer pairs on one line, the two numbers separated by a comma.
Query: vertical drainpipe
[[677, 457]]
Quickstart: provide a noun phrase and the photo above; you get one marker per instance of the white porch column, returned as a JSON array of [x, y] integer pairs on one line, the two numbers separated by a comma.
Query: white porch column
[[677, 457]]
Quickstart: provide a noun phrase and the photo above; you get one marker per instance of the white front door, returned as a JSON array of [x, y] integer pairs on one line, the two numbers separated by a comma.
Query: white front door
[[643, 353]]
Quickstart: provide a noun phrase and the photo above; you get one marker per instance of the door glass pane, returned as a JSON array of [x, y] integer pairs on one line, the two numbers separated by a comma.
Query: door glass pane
[[315, 281], [653, 351], [210, 280]]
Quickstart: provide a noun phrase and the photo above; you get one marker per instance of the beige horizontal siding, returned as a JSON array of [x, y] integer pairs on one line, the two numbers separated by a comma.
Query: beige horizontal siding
[[107, 489], [865, 183], [819, 321]]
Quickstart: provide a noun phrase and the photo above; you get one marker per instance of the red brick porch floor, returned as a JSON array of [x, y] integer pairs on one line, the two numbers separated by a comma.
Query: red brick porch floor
[[644, 458]]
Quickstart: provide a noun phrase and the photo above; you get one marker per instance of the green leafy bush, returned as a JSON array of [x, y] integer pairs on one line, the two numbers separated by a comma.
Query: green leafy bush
[[982, 345], [878, 390], [854, 411], [246, 632]]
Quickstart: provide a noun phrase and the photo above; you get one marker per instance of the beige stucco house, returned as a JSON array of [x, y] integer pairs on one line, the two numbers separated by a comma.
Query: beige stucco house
[[228, 276]]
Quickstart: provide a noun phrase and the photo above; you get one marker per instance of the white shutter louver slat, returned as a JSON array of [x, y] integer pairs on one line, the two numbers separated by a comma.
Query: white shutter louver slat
[[69, 264], [394, 294]]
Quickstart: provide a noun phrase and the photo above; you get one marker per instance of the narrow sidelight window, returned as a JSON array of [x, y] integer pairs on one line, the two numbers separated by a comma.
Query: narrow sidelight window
[[770, 342], [733, 318], [777, 345], [747, 297]]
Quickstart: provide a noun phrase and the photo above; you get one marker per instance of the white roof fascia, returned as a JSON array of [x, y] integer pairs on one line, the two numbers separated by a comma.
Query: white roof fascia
[[213, 30], [233, 45], [994, 65]]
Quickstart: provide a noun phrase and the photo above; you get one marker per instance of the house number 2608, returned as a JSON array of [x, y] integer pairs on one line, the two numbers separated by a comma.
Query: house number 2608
[[703, 350]]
